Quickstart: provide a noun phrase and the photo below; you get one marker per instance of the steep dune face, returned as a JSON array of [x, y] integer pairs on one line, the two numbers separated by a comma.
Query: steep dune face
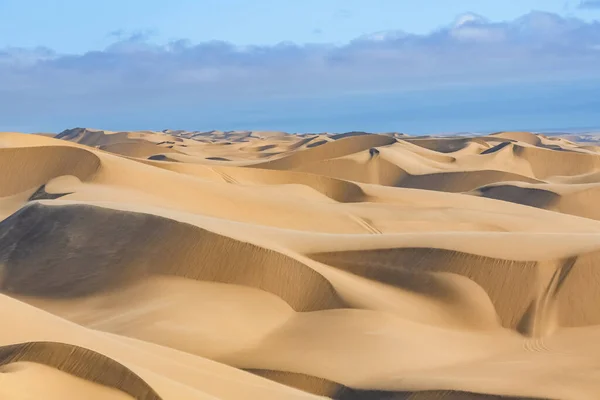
[[80, 362], [84, 249], [529, 196], [263, 265], [534, 295], [139, 150], [32, 167]]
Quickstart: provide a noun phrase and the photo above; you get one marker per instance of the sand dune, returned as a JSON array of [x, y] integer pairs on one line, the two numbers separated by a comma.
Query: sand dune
[[265, 265]]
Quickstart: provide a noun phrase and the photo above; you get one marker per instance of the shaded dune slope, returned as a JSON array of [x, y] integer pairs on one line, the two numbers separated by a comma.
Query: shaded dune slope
[[512, 299], [58, 242], [574, 199], [82, 363], [338, 148], [339, 392], [140, 149], [27, 168], [441, 145], [456, 182], [529, 196]]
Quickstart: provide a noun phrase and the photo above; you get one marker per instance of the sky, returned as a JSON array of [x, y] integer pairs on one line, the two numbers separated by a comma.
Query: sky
[[79, 26], [311, 65]]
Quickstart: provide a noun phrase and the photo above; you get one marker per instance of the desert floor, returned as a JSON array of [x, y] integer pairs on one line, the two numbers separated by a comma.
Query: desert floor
[[263, 265]]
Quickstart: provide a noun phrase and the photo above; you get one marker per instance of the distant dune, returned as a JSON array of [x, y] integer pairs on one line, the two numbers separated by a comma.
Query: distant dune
[[265, 265]]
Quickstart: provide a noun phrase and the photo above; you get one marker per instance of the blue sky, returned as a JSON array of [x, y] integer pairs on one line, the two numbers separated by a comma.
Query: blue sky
[[265, 64], [79, 26]]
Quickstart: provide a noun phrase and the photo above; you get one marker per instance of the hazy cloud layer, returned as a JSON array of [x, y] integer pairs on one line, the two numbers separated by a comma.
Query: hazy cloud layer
[[589, 4], [133, 71]]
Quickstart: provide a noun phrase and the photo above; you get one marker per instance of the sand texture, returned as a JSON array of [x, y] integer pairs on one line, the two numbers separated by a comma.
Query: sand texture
[[181, 265]]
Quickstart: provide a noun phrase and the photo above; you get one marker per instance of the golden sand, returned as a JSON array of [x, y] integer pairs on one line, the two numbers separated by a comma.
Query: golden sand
[[262, 265]]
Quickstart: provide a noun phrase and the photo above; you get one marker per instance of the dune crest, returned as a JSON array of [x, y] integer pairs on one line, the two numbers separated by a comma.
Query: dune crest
[[267, 265]]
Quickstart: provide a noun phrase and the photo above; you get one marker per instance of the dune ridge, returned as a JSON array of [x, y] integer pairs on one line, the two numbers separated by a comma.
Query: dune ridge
[[79, 361], [249, 264]]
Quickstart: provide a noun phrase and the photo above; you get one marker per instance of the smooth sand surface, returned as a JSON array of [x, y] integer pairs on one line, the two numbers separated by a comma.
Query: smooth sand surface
[[264, 265]]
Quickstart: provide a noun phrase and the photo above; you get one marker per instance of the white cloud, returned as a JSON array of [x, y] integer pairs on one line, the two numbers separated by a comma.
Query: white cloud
[[475, 33], [382, 36], [470, 50], [469, 19], [18, 58]]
